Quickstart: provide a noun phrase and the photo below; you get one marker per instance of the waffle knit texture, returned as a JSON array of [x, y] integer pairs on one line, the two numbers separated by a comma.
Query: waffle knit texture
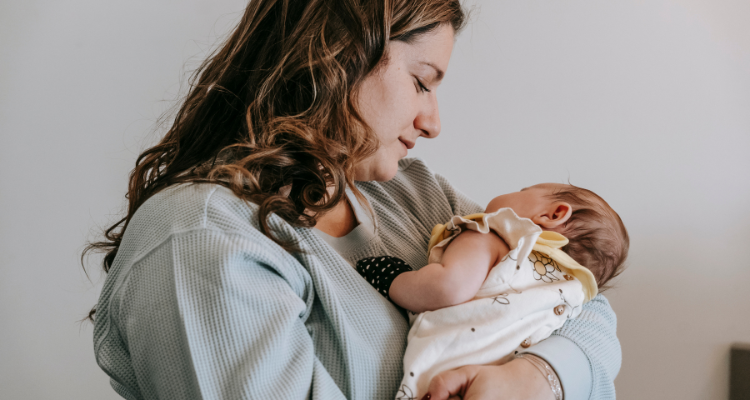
[[199, 304]]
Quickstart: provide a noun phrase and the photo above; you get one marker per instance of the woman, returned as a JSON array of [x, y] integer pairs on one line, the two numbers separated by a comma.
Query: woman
[[231, 275]]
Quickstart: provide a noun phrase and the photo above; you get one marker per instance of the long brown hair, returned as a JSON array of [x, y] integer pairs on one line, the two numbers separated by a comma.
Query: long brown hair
[[274, 107]]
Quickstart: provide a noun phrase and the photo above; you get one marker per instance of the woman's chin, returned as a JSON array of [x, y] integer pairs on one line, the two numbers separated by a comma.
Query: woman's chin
[[379, 170], [388, 173]]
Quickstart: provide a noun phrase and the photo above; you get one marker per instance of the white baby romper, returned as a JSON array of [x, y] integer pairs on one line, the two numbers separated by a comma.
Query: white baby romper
[[529, 294]]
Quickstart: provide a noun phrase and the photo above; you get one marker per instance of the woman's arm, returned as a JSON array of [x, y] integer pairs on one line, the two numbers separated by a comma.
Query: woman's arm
[[585, 352], [205, 316], [516, 380], [465, 264]]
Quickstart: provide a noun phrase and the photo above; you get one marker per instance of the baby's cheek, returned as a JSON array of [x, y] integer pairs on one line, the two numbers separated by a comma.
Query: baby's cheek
[[494, 205]]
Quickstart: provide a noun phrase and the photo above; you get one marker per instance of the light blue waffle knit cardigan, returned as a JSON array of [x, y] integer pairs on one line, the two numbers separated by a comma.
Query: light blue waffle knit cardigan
[[200, 305]]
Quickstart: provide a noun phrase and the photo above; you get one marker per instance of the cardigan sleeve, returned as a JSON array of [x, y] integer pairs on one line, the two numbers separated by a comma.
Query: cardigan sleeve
[[593, 334], [585, 352], [210, 314]]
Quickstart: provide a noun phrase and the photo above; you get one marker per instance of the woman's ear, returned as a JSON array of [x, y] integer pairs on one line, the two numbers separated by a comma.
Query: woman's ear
[[555, 215]]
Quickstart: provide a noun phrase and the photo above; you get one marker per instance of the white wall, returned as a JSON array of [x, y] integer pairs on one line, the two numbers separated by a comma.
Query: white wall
[[644, 102]]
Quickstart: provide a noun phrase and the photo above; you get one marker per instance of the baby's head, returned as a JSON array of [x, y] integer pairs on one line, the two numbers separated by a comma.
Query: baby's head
[[597, 237]]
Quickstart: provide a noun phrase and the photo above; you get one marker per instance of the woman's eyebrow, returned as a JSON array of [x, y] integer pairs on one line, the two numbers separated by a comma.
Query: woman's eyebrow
[[438, 72]]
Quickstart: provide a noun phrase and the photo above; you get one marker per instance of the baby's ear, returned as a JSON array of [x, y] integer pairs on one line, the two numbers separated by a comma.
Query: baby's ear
[[556, 214]]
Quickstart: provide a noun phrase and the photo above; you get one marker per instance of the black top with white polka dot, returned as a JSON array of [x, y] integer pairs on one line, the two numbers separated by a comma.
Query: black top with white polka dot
[[381, 271]]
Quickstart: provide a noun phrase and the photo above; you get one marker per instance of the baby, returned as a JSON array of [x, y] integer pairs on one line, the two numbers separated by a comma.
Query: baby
[[502, 279]]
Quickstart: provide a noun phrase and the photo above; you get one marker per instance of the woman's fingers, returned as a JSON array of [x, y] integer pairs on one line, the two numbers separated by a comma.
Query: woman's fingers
[[515, 380], [451, 384]]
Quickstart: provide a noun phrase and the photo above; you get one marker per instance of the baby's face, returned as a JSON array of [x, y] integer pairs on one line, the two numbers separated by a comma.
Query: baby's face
[[529, 202]]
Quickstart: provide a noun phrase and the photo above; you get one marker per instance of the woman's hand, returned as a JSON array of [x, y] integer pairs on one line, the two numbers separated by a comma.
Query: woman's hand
[[516, 380]]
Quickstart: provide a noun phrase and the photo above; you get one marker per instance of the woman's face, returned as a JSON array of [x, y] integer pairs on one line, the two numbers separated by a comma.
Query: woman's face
[[398, 101]]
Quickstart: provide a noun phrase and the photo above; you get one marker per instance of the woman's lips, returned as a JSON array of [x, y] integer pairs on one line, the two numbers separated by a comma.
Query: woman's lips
[[409, 145]]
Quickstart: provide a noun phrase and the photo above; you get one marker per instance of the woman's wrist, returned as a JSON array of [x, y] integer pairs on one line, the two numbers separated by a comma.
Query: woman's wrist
[[573, 367], [547, 371]]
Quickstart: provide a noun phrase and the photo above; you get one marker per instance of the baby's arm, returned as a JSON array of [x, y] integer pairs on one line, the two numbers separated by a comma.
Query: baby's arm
[[465, 265]]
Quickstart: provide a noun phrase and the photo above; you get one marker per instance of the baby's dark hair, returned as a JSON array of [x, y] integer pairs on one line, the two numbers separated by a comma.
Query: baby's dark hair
[[597, 237]]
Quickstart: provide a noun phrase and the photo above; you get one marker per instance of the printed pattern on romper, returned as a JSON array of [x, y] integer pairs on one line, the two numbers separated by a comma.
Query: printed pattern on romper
[[405, 393], [544, 267], [473, 326]]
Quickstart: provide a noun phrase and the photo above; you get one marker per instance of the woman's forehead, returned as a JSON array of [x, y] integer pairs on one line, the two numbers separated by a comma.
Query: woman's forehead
[[431, 50]]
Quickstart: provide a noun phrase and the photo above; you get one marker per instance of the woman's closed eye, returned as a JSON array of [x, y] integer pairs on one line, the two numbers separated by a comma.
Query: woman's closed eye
[[421, 87]]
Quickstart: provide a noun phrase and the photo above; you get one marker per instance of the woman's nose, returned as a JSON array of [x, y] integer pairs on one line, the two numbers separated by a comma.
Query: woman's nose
[[428, 121]]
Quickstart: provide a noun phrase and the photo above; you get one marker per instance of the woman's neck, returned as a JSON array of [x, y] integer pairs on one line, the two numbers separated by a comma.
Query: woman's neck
[[339, 221]]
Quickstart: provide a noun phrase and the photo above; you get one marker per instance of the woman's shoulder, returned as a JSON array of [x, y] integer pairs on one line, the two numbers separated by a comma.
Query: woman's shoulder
[[188, 209], [410, 167], [190, 226], [416, 177], [413, 176], [177, 252], [417, 187], [191, 206]]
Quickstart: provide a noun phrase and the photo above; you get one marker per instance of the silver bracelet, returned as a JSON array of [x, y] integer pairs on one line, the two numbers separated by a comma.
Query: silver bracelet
[[547, 371]]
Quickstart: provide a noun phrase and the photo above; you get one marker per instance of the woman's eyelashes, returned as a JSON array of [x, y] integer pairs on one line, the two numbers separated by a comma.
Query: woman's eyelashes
[[421, 87]]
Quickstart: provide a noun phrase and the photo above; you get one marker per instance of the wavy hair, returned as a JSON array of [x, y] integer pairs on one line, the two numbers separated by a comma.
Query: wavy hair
[[271, 113], [597, 238]]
